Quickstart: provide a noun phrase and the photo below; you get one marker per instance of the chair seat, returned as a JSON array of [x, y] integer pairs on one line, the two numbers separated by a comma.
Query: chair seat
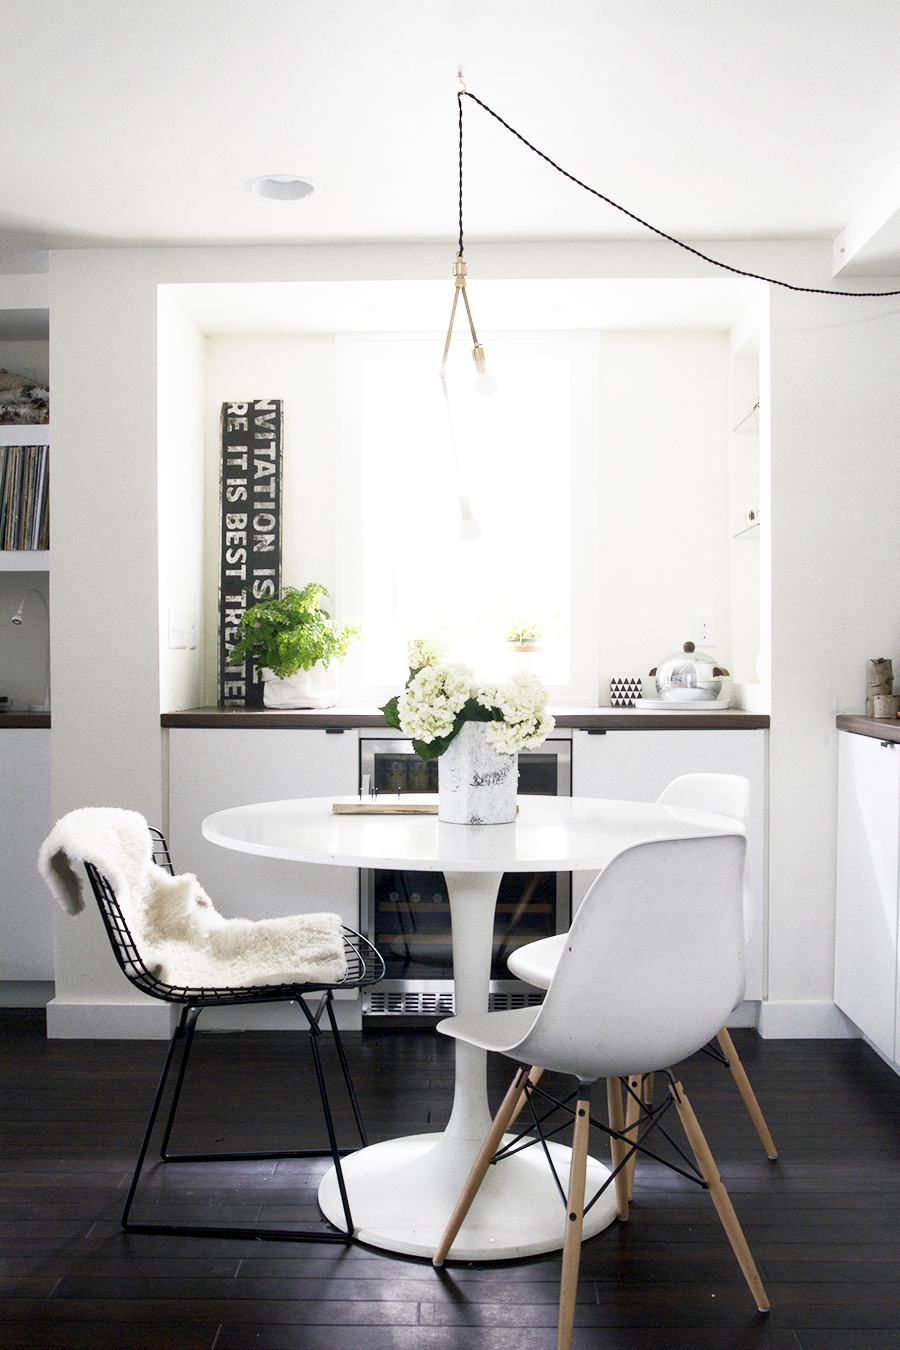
[[501, 1031], [536, 961]]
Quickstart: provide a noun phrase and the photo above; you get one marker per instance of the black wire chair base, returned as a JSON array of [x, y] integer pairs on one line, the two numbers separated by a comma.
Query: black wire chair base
[[184, 1033], [649, 1119], [364, 966]]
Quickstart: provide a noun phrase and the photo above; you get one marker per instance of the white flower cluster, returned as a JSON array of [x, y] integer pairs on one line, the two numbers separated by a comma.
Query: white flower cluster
[[423, 651], [428, 705], [522, 700]]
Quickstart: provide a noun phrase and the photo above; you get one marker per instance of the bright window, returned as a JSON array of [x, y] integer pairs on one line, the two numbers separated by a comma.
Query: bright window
[[407, 566]]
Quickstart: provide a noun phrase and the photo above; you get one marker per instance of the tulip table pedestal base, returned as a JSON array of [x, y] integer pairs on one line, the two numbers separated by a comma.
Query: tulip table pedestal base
[[402, 1194]]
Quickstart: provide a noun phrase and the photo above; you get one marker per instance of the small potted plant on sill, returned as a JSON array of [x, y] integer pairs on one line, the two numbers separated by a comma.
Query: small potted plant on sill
[[523, 635], [297, 646]]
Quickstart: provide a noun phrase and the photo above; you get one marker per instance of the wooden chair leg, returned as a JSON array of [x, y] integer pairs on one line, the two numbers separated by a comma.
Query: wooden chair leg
[[632, 1113], [568, 1285], [720, 1197], [509, 1109], [618, 1147], [726, 1045]]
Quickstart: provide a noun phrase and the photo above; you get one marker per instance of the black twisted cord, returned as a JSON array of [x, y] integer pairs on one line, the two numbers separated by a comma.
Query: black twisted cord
[[737, 271], [459, 99]]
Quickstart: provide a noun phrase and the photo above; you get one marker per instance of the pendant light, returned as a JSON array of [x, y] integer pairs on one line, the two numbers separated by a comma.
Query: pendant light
[[485, 382]]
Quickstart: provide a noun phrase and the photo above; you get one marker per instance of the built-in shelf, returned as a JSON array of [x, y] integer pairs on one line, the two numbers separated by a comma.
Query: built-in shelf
[[750, 423], [25, 434], [750, 529], [24, 560]]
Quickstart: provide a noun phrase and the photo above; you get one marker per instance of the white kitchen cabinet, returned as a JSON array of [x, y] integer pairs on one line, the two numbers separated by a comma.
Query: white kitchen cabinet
[[26, 909], [210, 770], [637, 765], [868, 886]]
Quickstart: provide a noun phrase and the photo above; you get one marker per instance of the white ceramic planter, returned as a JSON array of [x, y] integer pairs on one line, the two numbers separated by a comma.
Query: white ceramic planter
[[476, 784], [316, 688]]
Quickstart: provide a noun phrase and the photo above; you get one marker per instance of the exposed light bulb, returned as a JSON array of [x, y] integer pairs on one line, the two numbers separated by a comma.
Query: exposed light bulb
[[470, 530], [485, 383]]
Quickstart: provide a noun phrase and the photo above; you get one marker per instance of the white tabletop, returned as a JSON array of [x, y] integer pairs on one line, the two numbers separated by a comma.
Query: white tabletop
[[551, 834]]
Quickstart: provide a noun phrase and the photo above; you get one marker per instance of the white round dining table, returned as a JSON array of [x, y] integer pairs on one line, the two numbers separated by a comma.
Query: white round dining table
[[402, 1191]]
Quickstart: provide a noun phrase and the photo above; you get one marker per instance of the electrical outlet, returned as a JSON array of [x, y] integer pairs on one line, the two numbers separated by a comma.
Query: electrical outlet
[[705, 626], [193, 629]]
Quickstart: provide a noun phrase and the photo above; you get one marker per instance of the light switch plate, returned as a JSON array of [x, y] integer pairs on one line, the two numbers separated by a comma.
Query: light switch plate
[[179, 625], [193, 629]]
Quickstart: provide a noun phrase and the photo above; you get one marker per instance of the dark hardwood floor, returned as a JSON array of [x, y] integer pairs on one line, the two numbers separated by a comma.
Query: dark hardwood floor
[[823, 1222]]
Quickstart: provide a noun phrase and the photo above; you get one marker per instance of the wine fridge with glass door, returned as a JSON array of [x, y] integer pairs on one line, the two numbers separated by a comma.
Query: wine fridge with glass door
[[406, 914]]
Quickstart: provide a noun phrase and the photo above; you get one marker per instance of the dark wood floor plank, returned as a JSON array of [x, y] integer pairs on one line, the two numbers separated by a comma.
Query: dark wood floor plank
[[824, 1221]]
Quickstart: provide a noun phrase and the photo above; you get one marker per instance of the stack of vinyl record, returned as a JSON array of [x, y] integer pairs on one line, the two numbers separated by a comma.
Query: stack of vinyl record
[[24, 498]]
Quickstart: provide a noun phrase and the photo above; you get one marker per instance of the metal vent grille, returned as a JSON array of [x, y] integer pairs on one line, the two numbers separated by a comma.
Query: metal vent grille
[[409, 1003], [505, 1002], [417, 1003]]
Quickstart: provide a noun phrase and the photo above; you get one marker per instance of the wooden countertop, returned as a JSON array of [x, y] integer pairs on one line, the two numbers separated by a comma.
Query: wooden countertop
[[586, 719], [882, 728]]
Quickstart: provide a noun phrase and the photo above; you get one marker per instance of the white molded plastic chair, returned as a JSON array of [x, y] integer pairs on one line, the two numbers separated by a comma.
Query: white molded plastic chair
[[665, 919], [723, 794]]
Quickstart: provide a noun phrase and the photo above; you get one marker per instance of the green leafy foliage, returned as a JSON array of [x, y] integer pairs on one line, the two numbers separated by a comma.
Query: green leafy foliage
[[292, 632], [471, 711]]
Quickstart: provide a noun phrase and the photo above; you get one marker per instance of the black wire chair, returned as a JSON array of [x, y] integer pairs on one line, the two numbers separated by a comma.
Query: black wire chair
[[364, 966]]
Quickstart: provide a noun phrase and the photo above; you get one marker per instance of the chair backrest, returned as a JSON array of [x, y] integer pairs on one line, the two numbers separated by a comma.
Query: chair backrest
[[725, 794], [653, 963], [120, 938]]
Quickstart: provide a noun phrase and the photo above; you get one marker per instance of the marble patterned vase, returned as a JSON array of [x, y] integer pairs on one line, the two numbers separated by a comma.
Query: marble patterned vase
[[476, 784]]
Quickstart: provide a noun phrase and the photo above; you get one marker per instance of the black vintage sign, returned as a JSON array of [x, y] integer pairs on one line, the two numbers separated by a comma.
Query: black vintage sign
[[250, 566]]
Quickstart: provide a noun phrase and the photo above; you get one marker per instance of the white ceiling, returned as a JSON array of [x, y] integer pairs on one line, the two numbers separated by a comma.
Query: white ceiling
[[141, 122], [497, 306]]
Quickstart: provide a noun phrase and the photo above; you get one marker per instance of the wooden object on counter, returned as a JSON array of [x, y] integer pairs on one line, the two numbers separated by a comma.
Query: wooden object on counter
[[879, 681], [383, 809], [885, 705]]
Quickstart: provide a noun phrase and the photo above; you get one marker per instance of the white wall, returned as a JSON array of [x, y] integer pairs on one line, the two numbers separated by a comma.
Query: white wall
[[106, 743], [180, 349], [662, 526], [835, 599]]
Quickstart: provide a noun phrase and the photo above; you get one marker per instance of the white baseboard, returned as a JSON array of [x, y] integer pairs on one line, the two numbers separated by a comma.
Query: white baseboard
[[109, 1021], [804, 1020]]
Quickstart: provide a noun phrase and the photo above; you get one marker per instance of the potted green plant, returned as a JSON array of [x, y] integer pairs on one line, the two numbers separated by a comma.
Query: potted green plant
[[523, 635], [297, 646]]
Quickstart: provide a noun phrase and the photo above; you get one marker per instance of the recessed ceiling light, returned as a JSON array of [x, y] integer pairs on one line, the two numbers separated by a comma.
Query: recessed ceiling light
[[283, 187]]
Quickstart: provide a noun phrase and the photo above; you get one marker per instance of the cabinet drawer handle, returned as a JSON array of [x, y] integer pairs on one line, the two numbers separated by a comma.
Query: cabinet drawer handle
[[888, 745], [334, 731], [594, 731]]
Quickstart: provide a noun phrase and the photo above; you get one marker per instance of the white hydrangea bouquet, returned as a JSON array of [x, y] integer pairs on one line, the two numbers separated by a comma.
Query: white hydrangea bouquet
[[440, 698]]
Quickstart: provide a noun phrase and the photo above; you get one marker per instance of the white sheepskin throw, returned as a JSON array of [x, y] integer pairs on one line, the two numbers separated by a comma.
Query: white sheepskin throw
[[181, 937]]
